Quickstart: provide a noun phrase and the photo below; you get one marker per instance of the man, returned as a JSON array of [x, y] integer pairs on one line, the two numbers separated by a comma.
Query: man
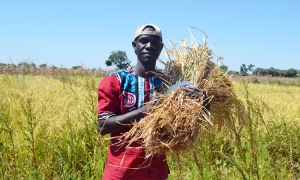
[[121, 100]]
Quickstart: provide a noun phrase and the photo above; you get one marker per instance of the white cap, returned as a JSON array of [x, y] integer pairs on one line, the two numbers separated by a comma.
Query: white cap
[[140, 31]]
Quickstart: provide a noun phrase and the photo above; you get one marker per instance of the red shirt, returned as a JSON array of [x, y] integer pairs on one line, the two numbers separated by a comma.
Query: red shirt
[[120, 93]]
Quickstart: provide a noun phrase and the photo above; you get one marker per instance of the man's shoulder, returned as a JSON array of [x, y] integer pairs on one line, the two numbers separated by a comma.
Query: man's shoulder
[[122, 72], [120, 75]]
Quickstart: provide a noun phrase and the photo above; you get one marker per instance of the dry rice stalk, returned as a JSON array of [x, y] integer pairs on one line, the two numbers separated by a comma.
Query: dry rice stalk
[[166, 129], [175, 120]]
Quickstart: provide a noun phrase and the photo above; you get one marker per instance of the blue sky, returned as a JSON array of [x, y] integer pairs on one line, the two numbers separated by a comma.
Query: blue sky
[[70, 33]]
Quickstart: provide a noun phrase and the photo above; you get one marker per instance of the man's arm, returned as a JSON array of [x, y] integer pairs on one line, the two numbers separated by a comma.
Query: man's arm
[[120, 122], [110, 118]]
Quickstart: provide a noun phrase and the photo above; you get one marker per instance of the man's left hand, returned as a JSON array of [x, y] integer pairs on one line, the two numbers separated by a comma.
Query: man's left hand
[[193, 91]]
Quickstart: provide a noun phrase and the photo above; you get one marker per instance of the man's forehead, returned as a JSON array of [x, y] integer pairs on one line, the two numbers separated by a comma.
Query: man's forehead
[[147, 36]]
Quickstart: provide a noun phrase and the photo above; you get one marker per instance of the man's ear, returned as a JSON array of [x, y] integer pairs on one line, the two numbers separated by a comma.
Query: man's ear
[[162, 45], [134, 46]]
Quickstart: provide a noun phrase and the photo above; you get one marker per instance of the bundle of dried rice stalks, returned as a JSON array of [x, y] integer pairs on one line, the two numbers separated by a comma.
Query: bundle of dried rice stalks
[[170, 126], [175, 120]]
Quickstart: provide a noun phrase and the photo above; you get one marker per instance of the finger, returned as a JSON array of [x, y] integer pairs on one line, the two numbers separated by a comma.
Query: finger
[[195, 93], [193, 88]]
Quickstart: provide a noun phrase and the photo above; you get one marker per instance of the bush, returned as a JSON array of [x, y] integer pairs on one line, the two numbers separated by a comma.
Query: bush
[[255, 80]]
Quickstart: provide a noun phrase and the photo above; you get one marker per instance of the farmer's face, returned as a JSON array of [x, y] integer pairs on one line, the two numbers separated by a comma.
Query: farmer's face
[[147, 48]]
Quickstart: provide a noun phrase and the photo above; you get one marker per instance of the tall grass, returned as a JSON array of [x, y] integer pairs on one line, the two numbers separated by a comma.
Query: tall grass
[[282, 81], [29, 68], [269, 141], [48, 128], [48, 131]]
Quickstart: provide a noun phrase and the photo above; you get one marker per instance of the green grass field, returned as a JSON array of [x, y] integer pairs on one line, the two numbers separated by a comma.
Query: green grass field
[[48, 131]]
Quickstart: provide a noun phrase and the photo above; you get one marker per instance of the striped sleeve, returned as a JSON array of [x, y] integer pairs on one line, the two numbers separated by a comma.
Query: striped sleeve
[[108, 97]]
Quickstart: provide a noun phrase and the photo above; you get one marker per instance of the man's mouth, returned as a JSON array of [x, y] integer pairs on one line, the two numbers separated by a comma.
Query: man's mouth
[[148, 54]]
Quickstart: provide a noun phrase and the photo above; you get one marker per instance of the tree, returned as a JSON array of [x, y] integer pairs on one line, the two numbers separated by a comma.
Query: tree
[[224, 68], [77, 67], [54, 67], [230, 72], [108, 63], [291, 72], [258, 72], [24, 64], [43, 65], [32, 65], [243, 70], [250, 67], [119, 58]]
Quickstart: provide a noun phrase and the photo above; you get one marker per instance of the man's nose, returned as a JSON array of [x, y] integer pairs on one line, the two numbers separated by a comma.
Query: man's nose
[[149, 45]]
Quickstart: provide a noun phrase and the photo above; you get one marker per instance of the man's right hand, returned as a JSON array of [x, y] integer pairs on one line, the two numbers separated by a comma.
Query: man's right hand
[[120, 122]]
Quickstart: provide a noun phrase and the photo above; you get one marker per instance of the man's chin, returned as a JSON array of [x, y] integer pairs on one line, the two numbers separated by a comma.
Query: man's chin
[[148, 60]]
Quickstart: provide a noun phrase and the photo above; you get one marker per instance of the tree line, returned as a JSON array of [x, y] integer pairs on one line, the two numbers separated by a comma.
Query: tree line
[[245, 71], [26, 68], [121, 61], [276, 72], [32, 65]]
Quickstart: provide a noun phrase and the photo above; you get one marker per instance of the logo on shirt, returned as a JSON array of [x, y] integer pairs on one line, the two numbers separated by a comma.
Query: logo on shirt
[[129, 99]]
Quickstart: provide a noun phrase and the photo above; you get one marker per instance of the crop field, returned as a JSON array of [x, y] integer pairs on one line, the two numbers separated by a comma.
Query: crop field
[[48, 131]]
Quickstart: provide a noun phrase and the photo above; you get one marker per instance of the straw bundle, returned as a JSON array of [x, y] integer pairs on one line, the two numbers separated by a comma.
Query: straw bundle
[[175, 119]]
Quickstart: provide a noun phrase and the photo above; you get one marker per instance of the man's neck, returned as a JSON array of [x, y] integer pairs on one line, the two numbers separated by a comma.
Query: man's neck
[[144, 70]]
